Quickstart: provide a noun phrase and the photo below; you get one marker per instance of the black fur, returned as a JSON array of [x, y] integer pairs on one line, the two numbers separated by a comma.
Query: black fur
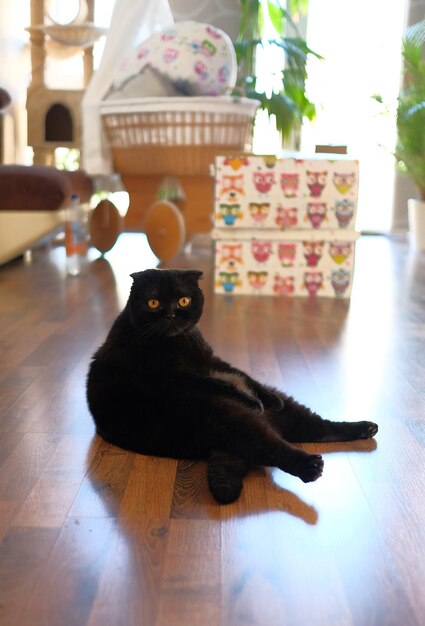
[[156, 387]]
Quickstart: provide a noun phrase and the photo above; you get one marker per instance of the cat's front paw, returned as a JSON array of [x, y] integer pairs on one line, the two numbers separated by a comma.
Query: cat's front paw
[[311, 468]]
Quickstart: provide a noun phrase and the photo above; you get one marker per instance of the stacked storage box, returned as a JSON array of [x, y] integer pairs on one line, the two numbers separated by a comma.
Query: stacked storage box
[[285, 227]]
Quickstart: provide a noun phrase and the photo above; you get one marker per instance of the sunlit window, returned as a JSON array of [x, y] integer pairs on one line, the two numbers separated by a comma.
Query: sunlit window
[[361, 45]]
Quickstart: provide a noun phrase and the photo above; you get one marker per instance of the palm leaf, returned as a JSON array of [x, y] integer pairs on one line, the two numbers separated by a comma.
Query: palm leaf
[[410, 148], [290, 104], [415, 34]]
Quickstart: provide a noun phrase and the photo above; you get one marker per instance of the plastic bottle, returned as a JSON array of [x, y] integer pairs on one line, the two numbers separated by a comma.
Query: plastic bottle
[[76, 237]]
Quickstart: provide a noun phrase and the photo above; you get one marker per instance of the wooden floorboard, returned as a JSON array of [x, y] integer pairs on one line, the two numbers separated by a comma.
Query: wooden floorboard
[[93, 535]]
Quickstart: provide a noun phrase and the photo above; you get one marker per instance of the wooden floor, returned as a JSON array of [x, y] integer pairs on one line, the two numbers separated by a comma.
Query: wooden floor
[[94, 535]]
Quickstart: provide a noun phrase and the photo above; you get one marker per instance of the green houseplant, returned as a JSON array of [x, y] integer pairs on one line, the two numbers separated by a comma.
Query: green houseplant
[[289, 104], [410, 146]]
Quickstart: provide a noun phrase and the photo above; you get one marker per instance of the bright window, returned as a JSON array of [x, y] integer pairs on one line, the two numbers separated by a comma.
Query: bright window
[[361, 45], [360, 42]]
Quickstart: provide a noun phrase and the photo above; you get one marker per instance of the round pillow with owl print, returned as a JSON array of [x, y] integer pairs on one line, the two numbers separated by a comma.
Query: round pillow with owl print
[[197, 59]]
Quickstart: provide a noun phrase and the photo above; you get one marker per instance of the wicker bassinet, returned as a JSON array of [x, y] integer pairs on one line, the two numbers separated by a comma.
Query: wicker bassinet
[[176, 136]]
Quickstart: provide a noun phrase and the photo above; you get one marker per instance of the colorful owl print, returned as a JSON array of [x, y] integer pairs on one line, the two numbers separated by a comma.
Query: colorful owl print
[[236, 162], [229, 213], [230, 255], [143, 52], [259, 212], [344, 211], [344, 182], [270, 161], [313, 281], [340, 251], [289, 183], [340, 280], [257, 280], [223, 74], [201, 70], [316, 182], [287, 218], [263, 181], [261, 250], [170, 55], [313, 251], [213, 32], [316, 213], [286, 253], [169, 35], [232, 186], [228, 281], [206, 48], [284, 285]]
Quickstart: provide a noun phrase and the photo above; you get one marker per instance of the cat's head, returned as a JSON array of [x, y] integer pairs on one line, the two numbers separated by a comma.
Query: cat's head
[[168, 302]]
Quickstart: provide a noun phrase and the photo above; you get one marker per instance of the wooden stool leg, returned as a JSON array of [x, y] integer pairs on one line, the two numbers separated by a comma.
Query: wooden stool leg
[[105, 226], [165, 229]]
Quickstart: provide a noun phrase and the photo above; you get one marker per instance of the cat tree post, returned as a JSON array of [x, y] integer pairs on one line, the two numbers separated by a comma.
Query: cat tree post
[[88, 52], [38, 54], [54, 115], [38, 60]]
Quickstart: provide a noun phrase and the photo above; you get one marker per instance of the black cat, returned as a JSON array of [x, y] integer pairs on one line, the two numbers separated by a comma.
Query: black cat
[[156, 387]]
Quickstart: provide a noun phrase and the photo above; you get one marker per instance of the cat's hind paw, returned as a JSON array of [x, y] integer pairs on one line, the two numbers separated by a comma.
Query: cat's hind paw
[[225, 487], [225, 476], [226, 492], [367, 430]]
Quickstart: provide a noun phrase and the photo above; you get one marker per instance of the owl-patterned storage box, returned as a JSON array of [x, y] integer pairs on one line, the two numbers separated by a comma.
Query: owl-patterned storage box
[[294, 264], [290, 193], [285, 227]]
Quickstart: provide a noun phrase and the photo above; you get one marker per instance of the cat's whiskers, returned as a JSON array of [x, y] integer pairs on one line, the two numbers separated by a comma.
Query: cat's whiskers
[[194, 336], [139, 335]]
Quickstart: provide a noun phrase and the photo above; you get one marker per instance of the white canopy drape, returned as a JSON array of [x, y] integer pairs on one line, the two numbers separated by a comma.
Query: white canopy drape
[[132, 22]]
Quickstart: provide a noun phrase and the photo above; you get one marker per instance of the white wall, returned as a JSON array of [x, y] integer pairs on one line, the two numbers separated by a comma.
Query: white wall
[[224, 14], [362, 58], [15, 64]]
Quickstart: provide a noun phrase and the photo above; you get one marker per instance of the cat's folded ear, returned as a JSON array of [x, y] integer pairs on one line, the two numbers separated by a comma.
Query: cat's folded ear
[[193, 274], [146, 274], [136, 275]]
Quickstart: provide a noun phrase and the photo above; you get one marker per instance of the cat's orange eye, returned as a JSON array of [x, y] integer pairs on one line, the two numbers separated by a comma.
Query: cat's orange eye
[[153, 303], [184, 302]]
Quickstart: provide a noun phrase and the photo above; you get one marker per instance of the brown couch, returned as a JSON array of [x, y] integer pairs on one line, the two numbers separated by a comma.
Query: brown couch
[[40, 188], [32, 203]]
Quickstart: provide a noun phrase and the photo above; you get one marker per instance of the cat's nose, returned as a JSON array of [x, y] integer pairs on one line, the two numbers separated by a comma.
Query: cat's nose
[[171, 314]]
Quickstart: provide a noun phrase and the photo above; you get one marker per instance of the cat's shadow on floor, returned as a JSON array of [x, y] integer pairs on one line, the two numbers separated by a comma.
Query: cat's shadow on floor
[[109, 469]]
